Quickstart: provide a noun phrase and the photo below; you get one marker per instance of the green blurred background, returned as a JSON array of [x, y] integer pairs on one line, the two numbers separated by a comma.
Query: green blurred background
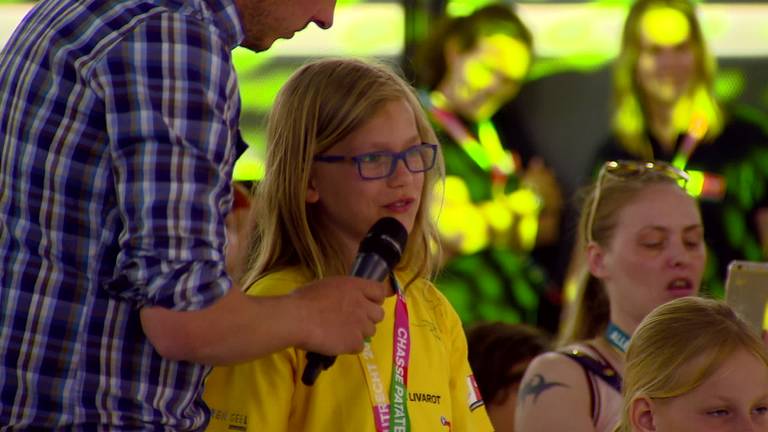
[[566, 100]]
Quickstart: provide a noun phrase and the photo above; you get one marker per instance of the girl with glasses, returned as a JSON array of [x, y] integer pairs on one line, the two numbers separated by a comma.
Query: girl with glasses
[[694, 366], [348, 144], [665, 109], [641, 245]]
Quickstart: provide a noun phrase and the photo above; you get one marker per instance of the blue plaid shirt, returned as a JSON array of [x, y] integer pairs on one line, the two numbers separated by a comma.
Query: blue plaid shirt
[[118, 121]]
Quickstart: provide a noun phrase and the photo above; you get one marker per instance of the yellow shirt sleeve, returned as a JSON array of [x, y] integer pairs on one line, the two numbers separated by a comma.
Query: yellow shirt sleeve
[[468, 407]]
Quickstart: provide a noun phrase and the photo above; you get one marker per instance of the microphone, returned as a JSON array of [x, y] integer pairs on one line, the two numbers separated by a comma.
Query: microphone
[[378, 254]]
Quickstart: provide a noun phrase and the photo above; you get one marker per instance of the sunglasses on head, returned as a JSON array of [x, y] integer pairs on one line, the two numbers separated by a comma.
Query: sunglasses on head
[[627, 169]]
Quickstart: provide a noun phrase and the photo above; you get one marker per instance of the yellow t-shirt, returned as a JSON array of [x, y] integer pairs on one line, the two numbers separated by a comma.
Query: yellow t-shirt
[[267, 394]]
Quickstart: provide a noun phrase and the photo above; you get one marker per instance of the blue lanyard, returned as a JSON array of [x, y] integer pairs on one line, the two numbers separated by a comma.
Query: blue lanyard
[[617, 337]]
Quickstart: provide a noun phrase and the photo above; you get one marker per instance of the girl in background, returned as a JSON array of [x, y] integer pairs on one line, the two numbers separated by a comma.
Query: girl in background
[[499, 353]]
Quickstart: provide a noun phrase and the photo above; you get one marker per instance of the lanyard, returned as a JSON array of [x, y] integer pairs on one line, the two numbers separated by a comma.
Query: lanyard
[[696, 131], [485, 149], [616, 337], [391, 416], [704, 185]]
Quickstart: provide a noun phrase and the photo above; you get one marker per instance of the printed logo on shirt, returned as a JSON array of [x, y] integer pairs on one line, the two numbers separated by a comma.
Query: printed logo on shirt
[[235, 421], [474, 400], [424, 397]]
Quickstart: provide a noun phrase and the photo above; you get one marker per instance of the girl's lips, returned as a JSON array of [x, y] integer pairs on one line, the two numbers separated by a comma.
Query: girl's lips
[[400, 206]]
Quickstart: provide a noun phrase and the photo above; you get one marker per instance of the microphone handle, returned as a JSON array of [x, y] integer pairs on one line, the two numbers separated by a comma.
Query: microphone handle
[[316, 363], [367, 266]]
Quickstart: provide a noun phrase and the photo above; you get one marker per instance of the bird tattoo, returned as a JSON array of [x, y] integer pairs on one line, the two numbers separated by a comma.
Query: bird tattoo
[[536, 386]]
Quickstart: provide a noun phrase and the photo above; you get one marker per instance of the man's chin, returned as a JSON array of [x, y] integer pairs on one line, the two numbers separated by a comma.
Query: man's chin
[[257, 45]]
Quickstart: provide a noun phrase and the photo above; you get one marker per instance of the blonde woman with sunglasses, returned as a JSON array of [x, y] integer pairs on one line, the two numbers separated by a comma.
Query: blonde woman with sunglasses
[[641, 245]]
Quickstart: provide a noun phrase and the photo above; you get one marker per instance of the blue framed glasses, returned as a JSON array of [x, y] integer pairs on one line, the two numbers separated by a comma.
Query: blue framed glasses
[[382, 164]]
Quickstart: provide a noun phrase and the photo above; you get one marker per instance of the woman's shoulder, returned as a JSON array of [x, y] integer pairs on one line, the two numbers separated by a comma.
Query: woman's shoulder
[[551, 370], [579, 349], [571, 363], [555, 363], [741, 142], [743, 130], [554, 394]]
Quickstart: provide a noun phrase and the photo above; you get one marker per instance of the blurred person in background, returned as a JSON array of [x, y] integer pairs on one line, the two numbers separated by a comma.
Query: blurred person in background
[[665, 109], [502, 204], [499, 353], [641, 245]]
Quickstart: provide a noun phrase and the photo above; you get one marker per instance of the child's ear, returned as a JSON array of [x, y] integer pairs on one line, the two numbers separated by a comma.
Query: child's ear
[[596, 260], [313, 195], [241, 197], [641, 415]]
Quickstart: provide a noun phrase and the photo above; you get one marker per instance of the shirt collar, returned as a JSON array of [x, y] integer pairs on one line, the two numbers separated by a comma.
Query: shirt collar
[[224, 16]]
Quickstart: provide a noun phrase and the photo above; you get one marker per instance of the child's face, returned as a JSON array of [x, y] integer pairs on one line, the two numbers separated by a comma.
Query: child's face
[[734, 398], [350, 205]]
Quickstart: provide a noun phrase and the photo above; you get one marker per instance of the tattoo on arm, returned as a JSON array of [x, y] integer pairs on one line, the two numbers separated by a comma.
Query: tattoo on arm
[[536, 386]]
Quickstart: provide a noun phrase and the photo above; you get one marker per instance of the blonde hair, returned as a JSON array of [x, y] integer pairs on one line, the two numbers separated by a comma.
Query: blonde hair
[[588, 313], [628, 117], [681, 344], [322, 103]]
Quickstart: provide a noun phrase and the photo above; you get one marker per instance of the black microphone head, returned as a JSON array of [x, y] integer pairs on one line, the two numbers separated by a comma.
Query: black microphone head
[[387, 239]]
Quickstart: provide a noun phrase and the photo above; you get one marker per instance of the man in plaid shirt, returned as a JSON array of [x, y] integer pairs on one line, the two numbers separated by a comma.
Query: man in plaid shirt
[[119, 125]]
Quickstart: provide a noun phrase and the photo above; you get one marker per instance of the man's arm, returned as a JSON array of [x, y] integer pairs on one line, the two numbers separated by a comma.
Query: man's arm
[[170, 117], [331, 316]]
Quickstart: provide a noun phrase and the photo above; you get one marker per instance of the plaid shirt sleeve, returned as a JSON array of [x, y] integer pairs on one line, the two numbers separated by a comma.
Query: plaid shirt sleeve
[[172, 108]]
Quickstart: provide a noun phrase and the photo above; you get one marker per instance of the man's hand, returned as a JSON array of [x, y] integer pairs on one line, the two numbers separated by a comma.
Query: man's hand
[[338, 313], [331, 316]]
